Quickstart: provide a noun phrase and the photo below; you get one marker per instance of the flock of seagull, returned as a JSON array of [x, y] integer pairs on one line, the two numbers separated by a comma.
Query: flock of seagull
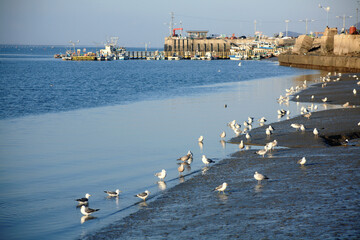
[[188, 158]]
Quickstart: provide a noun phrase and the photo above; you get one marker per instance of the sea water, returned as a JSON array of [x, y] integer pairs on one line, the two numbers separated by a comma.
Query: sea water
[[70, 128]]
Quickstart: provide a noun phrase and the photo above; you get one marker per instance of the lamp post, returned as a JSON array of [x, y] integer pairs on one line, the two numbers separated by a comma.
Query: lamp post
[[306, 24], [286, 28], [327, 10], [344, 17]]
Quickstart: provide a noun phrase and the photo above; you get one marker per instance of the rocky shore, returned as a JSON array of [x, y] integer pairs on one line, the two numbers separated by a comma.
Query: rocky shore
[[319, 200]]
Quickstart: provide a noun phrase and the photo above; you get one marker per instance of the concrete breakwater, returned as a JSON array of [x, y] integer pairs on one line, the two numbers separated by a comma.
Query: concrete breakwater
[[333, 52], [328, 63]]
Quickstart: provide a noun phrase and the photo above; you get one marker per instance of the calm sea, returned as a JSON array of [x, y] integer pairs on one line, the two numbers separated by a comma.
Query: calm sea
[[70, 128]]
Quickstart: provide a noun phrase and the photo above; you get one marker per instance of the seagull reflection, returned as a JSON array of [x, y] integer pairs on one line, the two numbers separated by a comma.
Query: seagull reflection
[[201, 145], [258, 188], [325, 106], [181, 179], [86, 218], [223, 197], [161, 185], [143, 204], [223, 144], [204, 170]]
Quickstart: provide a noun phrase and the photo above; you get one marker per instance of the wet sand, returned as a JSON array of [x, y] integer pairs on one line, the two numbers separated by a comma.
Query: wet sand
[[320, 200]]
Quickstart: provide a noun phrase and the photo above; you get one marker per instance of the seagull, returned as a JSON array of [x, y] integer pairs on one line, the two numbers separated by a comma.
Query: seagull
[[223, 134], [161, 175], [250, 120], [312, 97], [259, 176], [143, 195], [302, 128], [221, 188], [316, 132], [200, 139], [268, 132], [262, 152], [239, 64], [302, 161], [113, 194], [186, 157], [262, 120], [271, 145], [307, 115], [84, 200], [271, 128], [296, 126], [206, 160], [324, 99], [87, 211], [354, 91], [181, 168], [247, 136], [241, 145], [346, 104]]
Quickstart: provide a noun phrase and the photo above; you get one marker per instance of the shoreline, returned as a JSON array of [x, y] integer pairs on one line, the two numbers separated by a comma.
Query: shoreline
[[274, 208]]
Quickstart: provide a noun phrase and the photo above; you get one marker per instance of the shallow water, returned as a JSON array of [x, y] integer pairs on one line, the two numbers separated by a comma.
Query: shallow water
[[51, 156]]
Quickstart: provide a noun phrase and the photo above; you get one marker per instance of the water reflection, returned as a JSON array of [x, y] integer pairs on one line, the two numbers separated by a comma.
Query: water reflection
[[201, 145], [142, 205], [181, 179], [258, 188], [204, 170], [161, 185], [223, 144], [86, 218], [222, 197]]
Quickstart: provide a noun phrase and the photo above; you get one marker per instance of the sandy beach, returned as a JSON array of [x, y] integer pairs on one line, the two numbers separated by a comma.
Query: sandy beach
[[319, 200]]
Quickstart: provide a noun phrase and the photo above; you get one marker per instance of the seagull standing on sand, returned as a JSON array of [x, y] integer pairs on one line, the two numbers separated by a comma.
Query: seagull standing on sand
[[302, 161], [113, 194], [262, 152], [316, 132], [200, 139], [260, 177], [87, 211], [297, 126], [241, 145], [83, 200], [161, 175], [143, 195], [206, 160], [221, 188], [324, 99]]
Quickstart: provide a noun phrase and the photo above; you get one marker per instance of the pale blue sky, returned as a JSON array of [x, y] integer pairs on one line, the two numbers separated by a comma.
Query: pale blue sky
[[136, 22]]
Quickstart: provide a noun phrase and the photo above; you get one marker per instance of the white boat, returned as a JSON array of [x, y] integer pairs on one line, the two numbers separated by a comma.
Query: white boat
[[196, 57], [208, 56], [174, 57]]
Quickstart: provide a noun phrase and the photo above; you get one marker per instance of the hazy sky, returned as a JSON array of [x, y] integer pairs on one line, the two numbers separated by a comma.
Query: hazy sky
[[137, 22]]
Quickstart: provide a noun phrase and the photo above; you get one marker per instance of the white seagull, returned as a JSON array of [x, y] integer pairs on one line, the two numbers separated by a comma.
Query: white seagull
[[268, 132], [248, 136], [201, 139], [161, 175], [206, 160], [84, 200], [296, 126], [302, 161], [354, 91], [87, 211], [316, 132], [262, 152], [262, 120], [260, 177], [143, 195], [113, 194], [221, 188], [324, 99], [223, 134], [241, 145], [186, 157], [302, 127]]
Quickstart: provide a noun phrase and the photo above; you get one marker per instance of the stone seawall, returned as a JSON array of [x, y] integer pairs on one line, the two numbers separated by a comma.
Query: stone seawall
[[328, 63]]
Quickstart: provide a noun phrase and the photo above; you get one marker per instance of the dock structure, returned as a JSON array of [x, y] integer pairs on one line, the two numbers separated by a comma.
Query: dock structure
[[197, 43]]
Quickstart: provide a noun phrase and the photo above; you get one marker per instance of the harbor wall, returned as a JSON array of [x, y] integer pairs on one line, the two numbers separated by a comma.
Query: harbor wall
[[346, 44], [328, 63], [219, 47]]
